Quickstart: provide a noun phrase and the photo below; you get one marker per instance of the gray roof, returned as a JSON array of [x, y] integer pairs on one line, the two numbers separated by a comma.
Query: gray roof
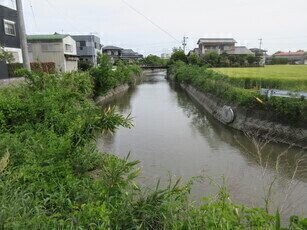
[[128, 51], [112, 48], [216, 40], [240, 50], [254, 50]]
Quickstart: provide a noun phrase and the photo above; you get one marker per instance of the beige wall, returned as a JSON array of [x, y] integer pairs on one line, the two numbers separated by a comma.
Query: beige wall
[[36, 54], [57, 56]]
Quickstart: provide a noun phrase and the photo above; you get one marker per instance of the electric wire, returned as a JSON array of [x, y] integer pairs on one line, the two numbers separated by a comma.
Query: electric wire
[[149, 20]]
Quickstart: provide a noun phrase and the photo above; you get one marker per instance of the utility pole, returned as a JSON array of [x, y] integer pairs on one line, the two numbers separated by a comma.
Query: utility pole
[[184, 44], [22, 34], [260, 43]]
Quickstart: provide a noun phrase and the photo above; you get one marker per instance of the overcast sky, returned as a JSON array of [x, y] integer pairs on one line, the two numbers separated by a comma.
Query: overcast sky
[[158, 26]]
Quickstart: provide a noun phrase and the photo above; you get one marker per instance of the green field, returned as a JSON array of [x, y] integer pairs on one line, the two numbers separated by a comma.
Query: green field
[[289, 77]]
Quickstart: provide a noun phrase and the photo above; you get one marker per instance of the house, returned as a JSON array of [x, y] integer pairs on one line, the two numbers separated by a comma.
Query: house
[[58, 48], [194, 51], [9, 35], [113, 51], [299, 58], [220, 45], [117, 53], [166, 55], [87, 47], [130, 55], [261, 52]]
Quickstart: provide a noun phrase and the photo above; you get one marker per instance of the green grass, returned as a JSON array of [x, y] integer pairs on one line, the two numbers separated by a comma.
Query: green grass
[[289, 77]]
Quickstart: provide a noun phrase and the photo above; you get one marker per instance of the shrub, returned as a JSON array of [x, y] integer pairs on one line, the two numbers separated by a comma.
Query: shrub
[[85, 65], [12, 67], [47, 67]]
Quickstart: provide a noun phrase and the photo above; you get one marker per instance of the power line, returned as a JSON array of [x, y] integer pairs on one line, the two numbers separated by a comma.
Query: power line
[[152, 22]]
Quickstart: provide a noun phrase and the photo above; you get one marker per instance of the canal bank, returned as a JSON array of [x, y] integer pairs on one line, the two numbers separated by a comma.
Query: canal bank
[[254, 122], [174, 135]]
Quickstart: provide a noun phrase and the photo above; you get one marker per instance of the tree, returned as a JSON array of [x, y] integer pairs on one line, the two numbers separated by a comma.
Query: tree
[[300, 51], [5, 56], [178, 56], [152, 60], [251, 59], [213, 59], [224, 60], [194, 59]]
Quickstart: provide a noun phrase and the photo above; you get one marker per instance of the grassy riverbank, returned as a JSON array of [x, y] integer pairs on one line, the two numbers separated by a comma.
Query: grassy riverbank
[[244, 91], [288, 77], [53, 177]]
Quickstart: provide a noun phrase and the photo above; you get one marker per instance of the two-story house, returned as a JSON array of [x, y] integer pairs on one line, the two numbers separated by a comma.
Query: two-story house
[[113, 51], [9, 35], [117, 53], [58, 48], [87, 47], [220, 45]]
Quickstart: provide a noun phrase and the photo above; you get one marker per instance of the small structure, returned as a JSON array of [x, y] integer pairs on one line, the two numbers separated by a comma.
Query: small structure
[[9, 36], [87, 47], [299, 58], [58, 48], [130, 55], [165, 55], [220, 45], [260, 52], [113, 51], [194, 51], [117, 53]]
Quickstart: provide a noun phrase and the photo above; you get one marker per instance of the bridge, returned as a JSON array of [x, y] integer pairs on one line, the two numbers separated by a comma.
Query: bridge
[[153, 67]]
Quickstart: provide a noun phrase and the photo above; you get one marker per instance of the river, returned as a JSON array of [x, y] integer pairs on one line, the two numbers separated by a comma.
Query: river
[[172, 135]]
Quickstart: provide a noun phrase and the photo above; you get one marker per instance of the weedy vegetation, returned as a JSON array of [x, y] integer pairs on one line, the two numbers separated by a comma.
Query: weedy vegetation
[[53, 177]]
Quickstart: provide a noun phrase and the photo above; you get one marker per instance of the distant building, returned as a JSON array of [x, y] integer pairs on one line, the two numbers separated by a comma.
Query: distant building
[[9, 36], [87, 47], [58, 48], [299, 58], [194, 51], [130, 55], [261, 52], [117, 53], [166, 56], [220, 45], [113, 51]]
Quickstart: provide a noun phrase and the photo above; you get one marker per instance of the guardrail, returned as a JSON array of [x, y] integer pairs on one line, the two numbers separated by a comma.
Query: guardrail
[[282, 93]]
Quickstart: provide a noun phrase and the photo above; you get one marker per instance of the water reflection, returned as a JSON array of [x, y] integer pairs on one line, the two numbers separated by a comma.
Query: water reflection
[[173, 133]]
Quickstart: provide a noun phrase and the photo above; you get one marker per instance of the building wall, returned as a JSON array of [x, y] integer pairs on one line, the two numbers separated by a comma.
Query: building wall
[[3, 70], [57, 56], [87, 52]]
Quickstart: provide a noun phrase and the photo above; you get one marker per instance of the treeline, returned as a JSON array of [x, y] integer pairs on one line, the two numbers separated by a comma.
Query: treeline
[[53, 177]]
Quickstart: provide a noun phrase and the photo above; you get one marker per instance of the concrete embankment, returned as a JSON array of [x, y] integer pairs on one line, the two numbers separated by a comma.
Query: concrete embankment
[[118, 90], [256, 122]]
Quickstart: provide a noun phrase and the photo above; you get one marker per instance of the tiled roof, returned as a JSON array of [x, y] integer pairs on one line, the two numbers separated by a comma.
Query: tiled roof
[[46, 37], [290, 54], [216, 40], [240, 50]]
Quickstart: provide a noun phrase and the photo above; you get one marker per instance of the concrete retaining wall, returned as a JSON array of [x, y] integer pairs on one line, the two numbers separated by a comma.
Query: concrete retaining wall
[[257, 122], [11, 81], [120, 89]]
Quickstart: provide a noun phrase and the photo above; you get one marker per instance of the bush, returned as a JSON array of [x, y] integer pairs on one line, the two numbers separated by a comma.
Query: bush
[[85, 65], [279, 61], [12, 67], [47, 67]]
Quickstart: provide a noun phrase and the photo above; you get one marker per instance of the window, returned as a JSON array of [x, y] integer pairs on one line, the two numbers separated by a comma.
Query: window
[[48, 47], [82, 43], [68, 48], [9, 28], [81, 48]]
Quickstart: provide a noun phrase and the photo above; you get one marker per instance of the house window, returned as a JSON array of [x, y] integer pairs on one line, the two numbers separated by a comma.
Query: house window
[[9, 28], [48, 47], [81, 48], [82, 43], [68, 48]]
